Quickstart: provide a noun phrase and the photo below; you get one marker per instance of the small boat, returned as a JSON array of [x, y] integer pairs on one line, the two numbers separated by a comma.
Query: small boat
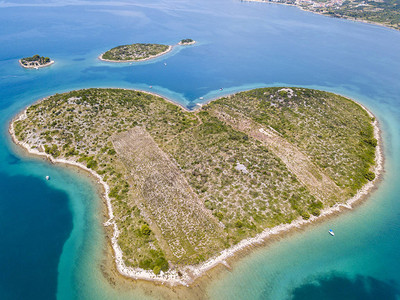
[[165, 64], [47, 177], [151, 86], [331, 232], [201, 98]]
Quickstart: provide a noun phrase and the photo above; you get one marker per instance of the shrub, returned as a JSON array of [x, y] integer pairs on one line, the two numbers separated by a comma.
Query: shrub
[[91, 164], [114, 192], [71, 151], [316, 212], [371, 141], [238, 224], [370, 175], [305, 215], [145, 263], [162, 263], [283, 93], [315, 208], [145, 229], [219, 215], [53, 150], [156, 270]]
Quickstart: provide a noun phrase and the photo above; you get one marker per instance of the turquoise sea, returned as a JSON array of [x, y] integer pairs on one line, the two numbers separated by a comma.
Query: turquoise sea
[[51, 236]]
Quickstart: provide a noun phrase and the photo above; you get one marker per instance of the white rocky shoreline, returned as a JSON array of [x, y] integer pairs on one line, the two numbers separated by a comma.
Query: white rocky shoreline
[[189, 274], [35, 66]]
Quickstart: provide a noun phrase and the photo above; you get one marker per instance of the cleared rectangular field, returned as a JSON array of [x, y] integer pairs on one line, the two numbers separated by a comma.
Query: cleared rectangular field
[[173, 210]]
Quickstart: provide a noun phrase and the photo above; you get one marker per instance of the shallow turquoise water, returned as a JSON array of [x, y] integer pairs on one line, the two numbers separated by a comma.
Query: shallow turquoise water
[[51, 237]]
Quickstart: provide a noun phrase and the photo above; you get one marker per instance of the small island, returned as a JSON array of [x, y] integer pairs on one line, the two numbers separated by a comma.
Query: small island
[[135, 52], [186, 42], [185, 190], [35, 62]]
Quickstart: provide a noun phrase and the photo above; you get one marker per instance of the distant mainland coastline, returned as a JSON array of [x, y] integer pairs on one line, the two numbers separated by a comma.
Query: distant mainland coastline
[[246, 128], [382, 13]]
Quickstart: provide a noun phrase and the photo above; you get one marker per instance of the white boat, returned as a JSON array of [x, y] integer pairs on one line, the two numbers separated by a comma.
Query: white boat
[[47, 177], [331, 232]]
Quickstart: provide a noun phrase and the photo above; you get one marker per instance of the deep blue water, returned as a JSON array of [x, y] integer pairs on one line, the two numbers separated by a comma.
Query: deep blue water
[[51, 236], [35, 222]]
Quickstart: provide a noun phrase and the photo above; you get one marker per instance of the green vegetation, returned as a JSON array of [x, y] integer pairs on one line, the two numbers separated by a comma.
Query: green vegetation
[[145, 229], [35, 60], [53, 150], [369, 175], [186, 185], [186, 41], [134, 52], [334, 132]]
